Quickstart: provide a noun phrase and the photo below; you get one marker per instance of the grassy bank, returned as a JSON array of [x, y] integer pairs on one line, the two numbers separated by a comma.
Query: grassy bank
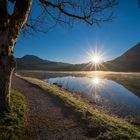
[[12, 123], [99, 123]]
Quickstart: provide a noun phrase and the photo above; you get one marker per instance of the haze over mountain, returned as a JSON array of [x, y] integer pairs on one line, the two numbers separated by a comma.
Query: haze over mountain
[[129, 61]]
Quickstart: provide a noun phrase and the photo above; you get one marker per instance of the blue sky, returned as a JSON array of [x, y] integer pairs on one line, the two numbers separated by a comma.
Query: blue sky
[[71, 45]]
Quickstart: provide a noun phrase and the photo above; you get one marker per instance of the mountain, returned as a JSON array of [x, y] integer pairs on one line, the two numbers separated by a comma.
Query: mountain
[[31, 62], [129, 61], [31, 59]]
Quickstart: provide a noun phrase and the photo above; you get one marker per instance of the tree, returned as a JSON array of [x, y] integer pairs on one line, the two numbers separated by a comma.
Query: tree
[[15, 15]]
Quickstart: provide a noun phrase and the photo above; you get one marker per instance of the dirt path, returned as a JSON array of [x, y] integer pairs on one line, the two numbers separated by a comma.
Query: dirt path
[[47, 117]]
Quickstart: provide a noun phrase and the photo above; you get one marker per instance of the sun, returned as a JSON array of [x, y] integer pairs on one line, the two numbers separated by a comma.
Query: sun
[[96, 59]]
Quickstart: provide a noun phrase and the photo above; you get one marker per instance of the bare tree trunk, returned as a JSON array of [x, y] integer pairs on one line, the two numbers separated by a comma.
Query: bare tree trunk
[[7, 65], [5, 85], [10, 28]]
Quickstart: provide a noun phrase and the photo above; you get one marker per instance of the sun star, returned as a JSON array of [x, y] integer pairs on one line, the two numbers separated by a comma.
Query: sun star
[[96, 59]]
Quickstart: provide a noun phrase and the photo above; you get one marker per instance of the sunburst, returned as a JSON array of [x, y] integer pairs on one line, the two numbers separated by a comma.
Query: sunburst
[[96, 58]]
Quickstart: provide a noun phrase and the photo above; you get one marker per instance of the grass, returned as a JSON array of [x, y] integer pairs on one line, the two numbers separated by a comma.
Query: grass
[[12, 122], [104, 125]]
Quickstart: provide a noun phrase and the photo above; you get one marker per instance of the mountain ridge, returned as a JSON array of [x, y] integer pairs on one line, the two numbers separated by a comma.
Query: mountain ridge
[[128, 61]]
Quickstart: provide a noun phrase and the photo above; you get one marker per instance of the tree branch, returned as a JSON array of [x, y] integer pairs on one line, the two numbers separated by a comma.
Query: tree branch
[[65, 12], [86, 11], [21, 11]]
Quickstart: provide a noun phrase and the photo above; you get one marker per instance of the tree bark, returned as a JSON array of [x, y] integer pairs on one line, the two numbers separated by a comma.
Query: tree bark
[[10, 28], [7, 65], [5, 85]]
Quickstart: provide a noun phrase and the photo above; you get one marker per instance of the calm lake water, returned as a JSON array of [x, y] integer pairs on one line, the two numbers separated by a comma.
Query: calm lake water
[[102, 93]]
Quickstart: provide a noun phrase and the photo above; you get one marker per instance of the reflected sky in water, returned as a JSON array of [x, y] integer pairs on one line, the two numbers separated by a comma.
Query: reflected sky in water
[[102, 93]]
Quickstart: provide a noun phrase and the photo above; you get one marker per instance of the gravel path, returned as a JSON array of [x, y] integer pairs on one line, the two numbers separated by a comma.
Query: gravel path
[[47, 117]]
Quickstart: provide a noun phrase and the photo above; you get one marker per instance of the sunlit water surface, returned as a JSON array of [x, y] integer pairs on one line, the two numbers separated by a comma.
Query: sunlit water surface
[[102, 93]]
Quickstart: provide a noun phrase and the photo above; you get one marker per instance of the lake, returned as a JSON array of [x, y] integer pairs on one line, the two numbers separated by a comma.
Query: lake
[[102, 93]]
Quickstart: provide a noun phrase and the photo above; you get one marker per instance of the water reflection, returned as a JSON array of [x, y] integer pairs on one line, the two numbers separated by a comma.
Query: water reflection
[[96, 80], [102, 93]]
